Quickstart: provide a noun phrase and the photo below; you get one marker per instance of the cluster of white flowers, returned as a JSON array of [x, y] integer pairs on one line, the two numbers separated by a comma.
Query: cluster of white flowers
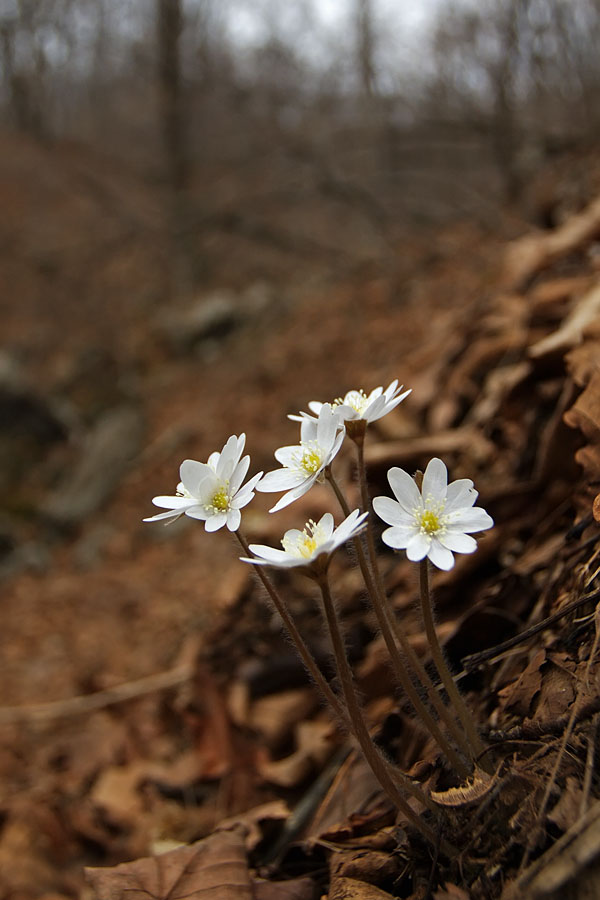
[[212, 491], [435, 521]]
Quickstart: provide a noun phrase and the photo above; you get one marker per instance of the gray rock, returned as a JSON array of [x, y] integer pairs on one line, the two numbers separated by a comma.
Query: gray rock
[[106, 452], [211, 318]]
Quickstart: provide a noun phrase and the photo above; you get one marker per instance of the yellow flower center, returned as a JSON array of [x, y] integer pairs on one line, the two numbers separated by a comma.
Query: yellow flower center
[[430, 521], [310, 461], [355, 399], [220, 500], [306, 544]]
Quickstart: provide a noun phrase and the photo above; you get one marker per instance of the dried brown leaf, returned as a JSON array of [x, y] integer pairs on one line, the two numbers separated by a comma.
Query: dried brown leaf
[[568, 809], [585, 414], [531, 254], [475, 789], [466, 440], [294, 889], [314, 746], [212, 869], [571, 331], [584, 360], [351, 889], [275, 716], [561, 863], [518, 696], [451, 892], [365, 865]]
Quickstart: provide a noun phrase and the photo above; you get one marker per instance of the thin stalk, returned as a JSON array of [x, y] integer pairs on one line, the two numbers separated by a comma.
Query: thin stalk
[[401, 672], [374, 758], [298, 640], [456, 699], [443, 712]]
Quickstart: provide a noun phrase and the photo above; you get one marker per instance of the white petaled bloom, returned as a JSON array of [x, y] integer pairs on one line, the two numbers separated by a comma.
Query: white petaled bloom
[[310, 547], [303, 464], [212, 491], [356, 405], [435, 521]]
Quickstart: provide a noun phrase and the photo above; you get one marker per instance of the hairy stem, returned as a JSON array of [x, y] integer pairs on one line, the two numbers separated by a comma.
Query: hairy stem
[[403, 676], [388, 613], [374, 758], [298, 640], [459, 705]]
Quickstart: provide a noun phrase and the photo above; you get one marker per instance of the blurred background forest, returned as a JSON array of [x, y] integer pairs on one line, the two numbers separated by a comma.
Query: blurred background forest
[[208, 205], [308, 128]]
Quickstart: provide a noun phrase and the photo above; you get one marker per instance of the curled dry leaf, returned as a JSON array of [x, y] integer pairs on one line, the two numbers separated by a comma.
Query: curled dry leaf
[[373, 866], [531, 254], [450, 892], [571, 331], [314, 746], [351, 889], [294, 889], [475, 789], [585, 413], [214, 869]]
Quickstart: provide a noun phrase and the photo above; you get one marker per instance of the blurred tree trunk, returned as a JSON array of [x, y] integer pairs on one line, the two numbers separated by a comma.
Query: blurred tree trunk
[[25, 83], [506, 131], [365, 42], [184, 260]]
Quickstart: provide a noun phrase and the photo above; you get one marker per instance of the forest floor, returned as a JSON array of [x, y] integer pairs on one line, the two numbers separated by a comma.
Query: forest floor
[[148, 699]]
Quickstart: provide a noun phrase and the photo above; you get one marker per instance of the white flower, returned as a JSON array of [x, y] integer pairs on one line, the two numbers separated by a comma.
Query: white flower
[[435, 521], [304, 548], [212, 491], [357, 405], [303, 463]]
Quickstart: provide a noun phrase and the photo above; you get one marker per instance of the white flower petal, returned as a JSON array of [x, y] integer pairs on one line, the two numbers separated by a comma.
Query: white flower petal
[[213, 523], [458, 542], [397, 537], [391, 389], [234, 519], [326, 524], [197, 512], [192, 473], [213, 460], [395, 401], [327, 426], [208, 488], [279, 480], [460, 494], [336, 446], [435, 480], [418, 547], [391, 512], [171, 514], [269, 553], [470, 520], [350, 527], [308, 429], [375, 410], [230, 456], [178, 503], [287, 456], [238, 475], [404, 487], [440, 556], [294, 494]]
